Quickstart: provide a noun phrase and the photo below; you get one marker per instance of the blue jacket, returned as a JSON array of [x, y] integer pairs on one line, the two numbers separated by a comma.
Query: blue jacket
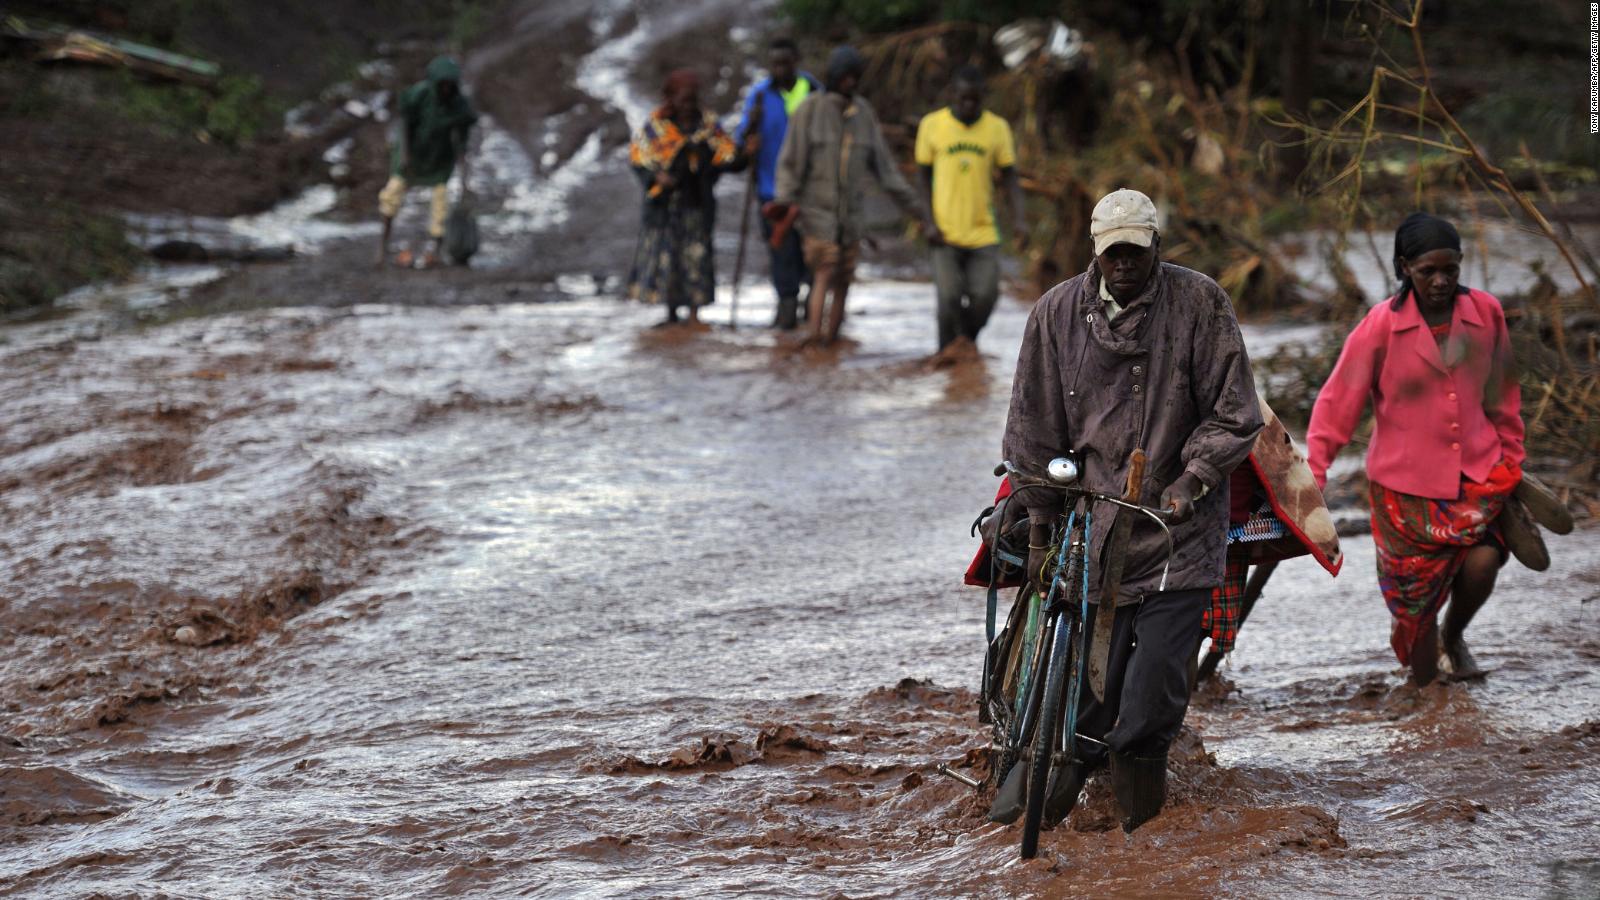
[[774, 124]]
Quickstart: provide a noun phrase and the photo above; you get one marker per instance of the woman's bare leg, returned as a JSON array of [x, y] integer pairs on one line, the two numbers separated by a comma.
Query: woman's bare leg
[[1471, 588], [1425, 655]]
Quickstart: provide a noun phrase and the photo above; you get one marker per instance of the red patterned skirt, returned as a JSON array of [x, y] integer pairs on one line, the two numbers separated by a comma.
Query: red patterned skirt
[[1422, 542]]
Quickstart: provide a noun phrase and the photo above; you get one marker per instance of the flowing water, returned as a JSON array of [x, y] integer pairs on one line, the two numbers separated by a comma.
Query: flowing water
[[539, 599], [533, 599]]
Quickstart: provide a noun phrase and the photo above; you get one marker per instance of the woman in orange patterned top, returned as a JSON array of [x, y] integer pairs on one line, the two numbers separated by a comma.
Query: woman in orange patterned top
[[678, 155]]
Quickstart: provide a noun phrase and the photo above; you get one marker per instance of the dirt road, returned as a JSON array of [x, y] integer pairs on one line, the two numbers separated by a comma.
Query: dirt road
[[494, 595], [535, 596]]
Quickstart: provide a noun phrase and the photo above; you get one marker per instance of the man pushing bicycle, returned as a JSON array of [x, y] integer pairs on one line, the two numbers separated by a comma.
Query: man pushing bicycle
[[1133, 355]]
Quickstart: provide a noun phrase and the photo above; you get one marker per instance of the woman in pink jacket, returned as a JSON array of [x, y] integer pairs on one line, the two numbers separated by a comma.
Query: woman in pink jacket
[[1446, 449]]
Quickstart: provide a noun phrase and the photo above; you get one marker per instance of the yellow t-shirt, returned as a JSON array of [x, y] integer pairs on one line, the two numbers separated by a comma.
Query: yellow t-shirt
[[965, 160]]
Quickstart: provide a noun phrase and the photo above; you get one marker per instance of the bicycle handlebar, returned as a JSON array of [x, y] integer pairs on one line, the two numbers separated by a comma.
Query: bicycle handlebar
[[1032, 481], [1159, 516]]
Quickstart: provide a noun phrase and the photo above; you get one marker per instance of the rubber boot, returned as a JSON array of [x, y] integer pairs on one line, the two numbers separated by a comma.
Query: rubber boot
[[788, 313], [1065, 787], [1009, 800], [1140, 783]]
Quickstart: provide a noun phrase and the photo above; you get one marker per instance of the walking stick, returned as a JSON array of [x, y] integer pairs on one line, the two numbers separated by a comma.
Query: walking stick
[[744, 219]]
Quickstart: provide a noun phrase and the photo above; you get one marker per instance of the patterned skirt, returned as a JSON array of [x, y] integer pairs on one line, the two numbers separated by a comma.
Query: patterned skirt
[[1422, 542], [673, 263]]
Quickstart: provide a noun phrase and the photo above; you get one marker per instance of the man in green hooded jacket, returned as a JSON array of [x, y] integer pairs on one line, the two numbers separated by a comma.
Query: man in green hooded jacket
[[434, 120]]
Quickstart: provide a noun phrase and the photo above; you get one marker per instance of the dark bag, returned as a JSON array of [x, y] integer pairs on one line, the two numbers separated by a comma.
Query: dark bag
[[461, 232]]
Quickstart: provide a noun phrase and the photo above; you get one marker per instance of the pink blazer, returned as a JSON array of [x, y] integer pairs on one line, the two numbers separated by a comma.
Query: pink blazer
[[1438, 417]]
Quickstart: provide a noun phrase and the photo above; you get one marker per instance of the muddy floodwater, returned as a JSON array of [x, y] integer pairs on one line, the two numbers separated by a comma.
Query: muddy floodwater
[[335, 582], [538, 600]]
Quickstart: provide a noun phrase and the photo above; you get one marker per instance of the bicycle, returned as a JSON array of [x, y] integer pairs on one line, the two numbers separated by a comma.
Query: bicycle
[[1025, 687]]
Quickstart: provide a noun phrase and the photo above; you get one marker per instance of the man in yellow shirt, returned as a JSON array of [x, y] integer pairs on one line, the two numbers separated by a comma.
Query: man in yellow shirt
[[961, 149]]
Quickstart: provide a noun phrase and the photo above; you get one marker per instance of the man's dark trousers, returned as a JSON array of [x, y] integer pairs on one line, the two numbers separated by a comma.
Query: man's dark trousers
[[967, 281], [1147, 674], [789, 273]]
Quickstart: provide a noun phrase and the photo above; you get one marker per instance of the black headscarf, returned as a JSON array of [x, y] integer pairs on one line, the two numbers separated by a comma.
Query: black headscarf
[[1421, 233], [846, 60]]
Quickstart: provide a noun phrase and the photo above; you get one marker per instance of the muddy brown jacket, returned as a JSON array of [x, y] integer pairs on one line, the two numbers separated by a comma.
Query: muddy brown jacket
[[832, 148], [1170, 374]]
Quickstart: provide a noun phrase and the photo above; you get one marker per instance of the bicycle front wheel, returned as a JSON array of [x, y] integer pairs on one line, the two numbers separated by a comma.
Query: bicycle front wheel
[[1044, 736]]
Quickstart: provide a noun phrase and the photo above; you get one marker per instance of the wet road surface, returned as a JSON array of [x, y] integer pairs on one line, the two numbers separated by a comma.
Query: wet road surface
[[538, 600], [459, 593]]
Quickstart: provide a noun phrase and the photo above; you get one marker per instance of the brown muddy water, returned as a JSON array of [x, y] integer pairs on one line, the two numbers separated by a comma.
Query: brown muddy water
[[456, 594], [537, 600]]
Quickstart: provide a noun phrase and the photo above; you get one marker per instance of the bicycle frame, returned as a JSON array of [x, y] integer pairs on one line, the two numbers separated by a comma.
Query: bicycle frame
[[1069, 722], [1049, 675], [1029, 691]]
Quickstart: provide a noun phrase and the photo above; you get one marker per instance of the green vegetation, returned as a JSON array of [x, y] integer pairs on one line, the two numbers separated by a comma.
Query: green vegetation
[[60, 227], [23, 95], [234, 112], [470, 21], [48, 250]]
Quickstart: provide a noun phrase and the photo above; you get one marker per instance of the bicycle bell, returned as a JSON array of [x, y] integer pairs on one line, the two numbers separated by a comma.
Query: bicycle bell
[[1063, 470]]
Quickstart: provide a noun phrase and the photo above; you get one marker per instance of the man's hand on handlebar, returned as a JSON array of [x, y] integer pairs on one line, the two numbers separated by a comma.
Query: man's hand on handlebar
[[1179, 498]]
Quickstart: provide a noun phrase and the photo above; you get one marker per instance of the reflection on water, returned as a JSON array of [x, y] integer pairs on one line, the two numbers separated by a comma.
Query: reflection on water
[[538, 599]]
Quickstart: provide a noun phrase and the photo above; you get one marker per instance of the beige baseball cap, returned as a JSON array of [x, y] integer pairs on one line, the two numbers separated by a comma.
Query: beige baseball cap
[[1123, 216]]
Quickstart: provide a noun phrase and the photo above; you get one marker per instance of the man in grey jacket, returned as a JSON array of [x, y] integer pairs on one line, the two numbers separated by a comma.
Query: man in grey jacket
[[832, 148], [1136, 353]]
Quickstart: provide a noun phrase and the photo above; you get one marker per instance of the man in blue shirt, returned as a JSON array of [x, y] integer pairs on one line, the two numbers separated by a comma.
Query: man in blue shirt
[[774, 99]]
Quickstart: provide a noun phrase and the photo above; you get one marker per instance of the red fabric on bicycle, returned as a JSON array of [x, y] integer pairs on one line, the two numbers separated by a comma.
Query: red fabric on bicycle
[[978, 571]]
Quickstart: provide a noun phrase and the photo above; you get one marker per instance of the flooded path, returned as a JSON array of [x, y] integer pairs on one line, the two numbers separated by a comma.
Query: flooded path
[[535, 599], [456, 593]]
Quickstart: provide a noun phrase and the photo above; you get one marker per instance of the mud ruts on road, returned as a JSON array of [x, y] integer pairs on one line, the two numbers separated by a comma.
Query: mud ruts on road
[[399, 584], [537, 598]]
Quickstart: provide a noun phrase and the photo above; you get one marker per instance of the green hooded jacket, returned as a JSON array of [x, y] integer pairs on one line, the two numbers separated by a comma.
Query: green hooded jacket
[[434, 130]]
